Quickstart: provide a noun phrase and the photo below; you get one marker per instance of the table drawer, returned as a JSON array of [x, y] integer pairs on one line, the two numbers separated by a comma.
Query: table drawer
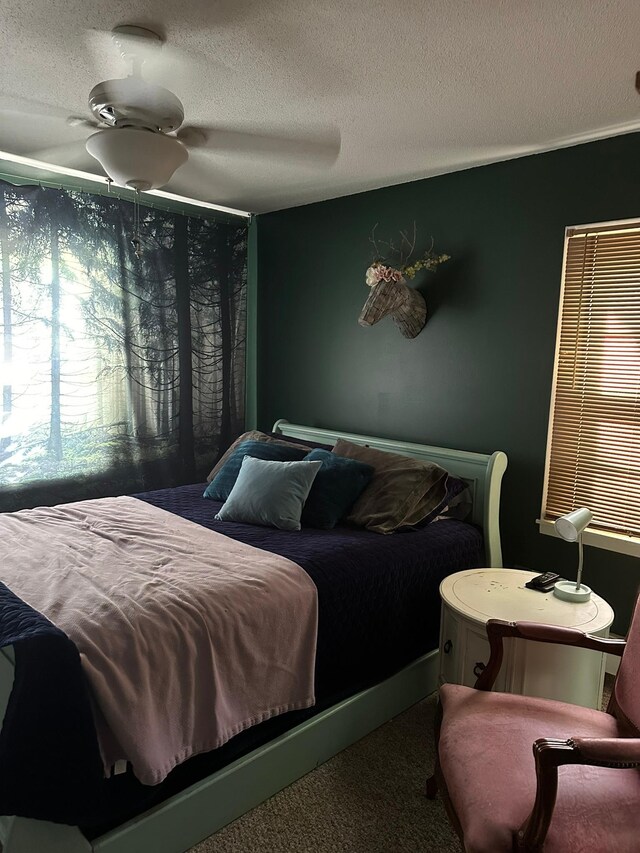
[[449, 648], [475, 656]]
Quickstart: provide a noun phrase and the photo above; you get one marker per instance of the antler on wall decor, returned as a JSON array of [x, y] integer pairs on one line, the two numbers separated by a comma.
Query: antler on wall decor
[[389, 291]]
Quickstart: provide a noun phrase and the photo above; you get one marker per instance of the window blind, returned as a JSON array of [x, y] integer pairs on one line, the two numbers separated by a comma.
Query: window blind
[[593, 453]]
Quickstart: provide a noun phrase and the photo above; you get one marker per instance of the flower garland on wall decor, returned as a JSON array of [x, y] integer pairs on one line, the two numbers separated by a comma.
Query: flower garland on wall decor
[[386, 276]]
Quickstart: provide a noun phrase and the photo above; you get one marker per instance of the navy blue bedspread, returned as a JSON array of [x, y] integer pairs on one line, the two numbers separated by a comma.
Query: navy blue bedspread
[[50, 765], [378, 610]]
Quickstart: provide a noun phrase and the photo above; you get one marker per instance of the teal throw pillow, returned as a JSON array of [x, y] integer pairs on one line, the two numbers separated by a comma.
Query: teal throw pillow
[[269, 493], [338, 485], [220, 487]]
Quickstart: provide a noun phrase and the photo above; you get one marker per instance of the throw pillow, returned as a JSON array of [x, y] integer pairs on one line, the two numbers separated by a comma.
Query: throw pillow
[[455, 504], [337, 486], [252, 435], [270, 493], [220, 487], [402, 491], [312, 445]]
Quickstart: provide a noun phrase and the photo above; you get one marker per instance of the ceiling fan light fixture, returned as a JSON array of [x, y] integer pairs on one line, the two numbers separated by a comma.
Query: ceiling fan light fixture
[[137, 158]]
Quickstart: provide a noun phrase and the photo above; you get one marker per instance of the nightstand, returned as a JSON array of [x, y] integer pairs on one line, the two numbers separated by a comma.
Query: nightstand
[[472, 597]]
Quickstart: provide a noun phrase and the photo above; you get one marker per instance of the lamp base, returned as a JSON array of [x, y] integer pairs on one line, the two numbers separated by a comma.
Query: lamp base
[[569, 591]]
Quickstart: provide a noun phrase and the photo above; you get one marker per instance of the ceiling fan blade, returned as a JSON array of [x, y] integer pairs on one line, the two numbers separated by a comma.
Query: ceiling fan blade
[[81, 121], [73, 155], [322, 149], [192, 136], [27, 106], [304, 65], [158, 61], [197, 173]]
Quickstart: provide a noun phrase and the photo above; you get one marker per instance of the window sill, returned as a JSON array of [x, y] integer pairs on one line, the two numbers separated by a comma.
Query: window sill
[[599, 539]]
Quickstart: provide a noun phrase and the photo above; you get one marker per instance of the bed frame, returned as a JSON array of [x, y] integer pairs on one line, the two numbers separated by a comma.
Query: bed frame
[[200, 810]]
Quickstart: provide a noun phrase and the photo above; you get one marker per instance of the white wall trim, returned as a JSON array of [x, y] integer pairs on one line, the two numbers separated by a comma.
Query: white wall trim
[[30, 163], [618, 542]]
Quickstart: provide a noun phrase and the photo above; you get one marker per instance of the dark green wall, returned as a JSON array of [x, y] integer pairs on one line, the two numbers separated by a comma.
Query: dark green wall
[[479, 376]]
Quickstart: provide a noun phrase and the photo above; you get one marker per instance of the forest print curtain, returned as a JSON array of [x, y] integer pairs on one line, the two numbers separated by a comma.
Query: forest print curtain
[[118, 373]]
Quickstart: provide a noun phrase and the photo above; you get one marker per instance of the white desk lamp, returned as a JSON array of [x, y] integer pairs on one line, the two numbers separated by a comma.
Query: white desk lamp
[[570, 527]]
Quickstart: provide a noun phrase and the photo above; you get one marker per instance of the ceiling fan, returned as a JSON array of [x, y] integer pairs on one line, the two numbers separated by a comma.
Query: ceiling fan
[[140, 138]]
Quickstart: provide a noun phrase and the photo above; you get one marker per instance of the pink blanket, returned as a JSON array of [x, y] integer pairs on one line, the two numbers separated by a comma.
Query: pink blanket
[[186, 637]]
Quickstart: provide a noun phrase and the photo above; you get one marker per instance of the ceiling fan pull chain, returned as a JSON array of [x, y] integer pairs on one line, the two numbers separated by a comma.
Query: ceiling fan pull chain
[[135, 240]]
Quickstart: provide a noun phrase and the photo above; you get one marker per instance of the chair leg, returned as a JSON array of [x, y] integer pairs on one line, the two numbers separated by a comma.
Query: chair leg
[[431, 788]]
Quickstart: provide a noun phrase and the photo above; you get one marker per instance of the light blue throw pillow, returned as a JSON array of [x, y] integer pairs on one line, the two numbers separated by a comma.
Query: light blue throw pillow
[[269, 493]]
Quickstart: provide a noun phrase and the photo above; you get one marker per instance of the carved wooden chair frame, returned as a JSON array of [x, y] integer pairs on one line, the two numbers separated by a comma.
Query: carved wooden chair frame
[[549, 753]]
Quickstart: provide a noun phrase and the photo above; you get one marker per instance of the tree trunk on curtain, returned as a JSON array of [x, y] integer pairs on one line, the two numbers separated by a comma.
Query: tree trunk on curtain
[[127, 331], [185, 360], [226, 340], [7, 344], [55, 429]]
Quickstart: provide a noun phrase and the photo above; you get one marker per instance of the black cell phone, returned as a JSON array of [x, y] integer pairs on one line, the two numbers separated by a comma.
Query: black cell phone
[[543, 583]]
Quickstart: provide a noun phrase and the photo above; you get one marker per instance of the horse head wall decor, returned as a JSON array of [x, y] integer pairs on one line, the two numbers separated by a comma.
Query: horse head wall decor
[[390, 294], [407, 307]]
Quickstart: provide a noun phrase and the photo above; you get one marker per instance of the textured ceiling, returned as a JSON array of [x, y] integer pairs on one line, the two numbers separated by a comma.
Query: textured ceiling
[[415, 87]]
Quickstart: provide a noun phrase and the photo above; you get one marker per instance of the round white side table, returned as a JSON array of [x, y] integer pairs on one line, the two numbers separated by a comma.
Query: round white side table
[[472, 597]]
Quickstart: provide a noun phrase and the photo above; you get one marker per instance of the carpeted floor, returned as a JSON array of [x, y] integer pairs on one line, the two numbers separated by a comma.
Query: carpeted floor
[[368, 799]]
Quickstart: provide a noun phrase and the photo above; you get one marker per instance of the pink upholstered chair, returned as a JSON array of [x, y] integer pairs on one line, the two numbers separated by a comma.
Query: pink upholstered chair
[[525, 774]]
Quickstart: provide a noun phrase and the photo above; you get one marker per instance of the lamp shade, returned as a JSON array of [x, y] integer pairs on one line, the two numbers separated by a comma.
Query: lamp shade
[[571, 525], [137, 158]]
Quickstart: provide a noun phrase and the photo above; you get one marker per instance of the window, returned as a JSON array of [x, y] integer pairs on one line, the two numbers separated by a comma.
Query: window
[[593, 448]]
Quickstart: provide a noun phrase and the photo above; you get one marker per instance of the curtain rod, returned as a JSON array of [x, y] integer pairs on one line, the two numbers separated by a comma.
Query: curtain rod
[[117, 193], [102, 181]]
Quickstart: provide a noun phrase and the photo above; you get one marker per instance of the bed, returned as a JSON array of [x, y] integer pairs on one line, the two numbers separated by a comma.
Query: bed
[[363, 677]]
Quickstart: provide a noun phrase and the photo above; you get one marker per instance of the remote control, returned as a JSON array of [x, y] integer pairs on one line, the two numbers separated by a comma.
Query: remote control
[[544, 582], [546, 578]]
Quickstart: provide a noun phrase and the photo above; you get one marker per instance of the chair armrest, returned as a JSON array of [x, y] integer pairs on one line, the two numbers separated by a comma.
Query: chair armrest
[[497, 630], [542, 633], [619, 752], [549, 754]]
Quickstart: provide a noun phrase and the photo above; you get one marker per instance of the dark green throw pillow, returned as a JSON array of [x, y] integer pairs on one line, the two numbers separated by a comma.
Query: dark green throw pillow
[[337, 486], [220, 487]]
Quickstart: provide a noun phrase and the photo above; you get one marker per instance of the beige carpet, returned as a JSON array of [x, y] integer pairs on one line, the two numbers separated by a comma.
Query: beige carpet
[[368, 799]]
